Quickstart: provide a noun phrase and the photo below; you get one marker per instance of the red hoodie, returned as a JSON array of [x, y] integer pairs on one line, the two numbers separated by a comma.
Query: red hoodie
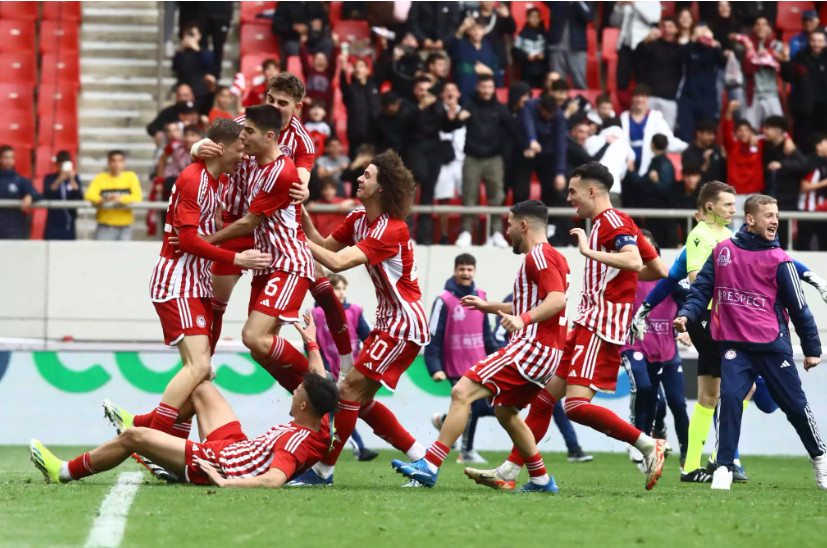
[[744, 164]]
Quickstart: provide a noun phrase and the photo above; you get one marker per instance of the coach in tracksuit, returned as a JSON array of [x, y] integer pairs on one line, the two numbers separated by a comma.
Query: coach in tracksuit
[[755, 290]]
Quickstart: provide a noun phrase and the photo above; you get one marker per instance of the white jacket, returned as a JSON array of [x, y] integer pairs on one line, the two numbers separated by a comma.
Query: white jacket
[[654, 124], [635, 21], [616, 157]]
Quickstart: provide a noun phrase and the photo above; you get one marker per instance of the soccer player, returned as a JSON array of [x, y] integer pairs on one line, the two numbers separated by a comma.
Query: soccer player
[[755, 291], [225, 456], [180, 287], [512, 376], [284, 92], [377, 237], [616, 256]]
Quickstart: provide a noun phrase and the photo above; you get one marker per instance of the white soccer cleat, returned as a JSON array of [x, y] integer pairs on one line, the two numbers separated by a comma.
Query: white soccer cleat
[[464, 239], [820, 470], [653, 459], [636, 457], [722, 478], [496, 240]]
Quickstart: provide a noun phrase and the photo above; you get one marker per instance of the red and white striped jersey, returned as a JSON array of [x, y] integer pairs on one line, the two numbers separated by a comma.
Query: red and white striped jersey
[[290, 448], [193, 202], [392, 268], [608, 293], [810, 200], [281, 233], [294, 142]]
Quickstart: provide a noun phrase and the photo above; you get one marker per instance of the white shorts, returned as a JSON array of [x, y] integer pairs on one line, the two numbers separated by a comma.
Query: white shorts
[[449, 182]]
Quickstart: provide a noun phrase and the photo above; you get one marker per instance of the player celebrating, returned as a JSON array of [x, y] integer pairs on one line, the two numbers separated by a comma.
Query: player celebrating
[[377, 237], [513, 376], [615, 253], [750, 274], [180, 287]]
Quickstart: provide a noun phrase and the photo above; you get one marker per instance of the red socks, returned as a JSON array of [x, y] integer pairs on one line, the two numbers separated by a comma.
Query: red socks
[[386, 425], [582, 411], [538, 419], [218, 309], [282, 354], [179, 429], [334, 313], [344, 423], [437, 453], [81, 467], [535, 466], [164, 419], [143, 420], [182, 429]]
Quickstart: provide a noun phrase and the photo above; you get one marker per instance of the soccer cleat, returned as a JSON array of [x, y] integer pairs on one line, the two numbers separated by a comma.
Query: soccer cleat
[[722, 478], [471, 457], [366, 455], [699, 475], [412, 484], [158, 471], [437, 419], [311, 478], [820, 470], [653, 459], [531, 487], [636, 457], [490, 478], [417, 470], [120, 418], [578, 455], [45, 461]]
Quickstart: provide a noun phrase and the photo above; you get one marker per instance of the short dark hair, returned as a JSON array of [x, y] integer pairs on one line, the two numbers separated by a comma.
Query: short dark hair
[[335, 278], [548, 103], [669, 20], [609, 122], [192, 128], [397, 182], [63, 156], [317, 104], [818, 137], [332, 138], [642, 89], [226, 131], [660, 142], [271, 62], [115, 152], [421, 79], [778, 122], [265, 117], [531, 210], [603, 98], [560, 85], [389, 98], [692, 168], [433, 57], [706, 124], [744, 122], [322, 393], [325, 182], [710, 192], [287, 83], [219, 89], [463, 258], [595, 171], [485, 78]]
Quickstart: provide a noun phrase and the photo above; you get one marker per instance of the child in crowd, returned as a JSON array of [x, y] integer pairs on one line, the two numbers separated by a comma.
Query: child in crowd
[[256, 93], [222, 105], [317, 126]]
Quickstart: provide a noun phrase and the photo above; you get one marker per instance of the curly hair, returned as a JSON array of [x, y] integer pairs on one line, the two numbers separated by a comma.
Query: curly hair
[[289, 84], [397, 182]]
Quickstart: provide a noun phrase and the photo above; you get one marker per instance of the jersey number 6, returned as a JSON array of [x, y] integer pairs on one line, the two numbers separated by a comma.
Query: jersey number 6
[[272, 287]]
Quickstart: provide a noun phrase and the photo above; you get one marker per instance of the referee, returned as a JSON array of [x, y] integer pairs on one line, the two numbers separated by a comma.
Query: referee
[[754, 289]]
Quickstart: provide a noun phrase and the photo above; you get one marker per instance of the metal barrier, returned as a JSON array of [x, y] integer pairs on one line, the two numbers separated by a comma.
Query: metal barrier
[[85, 208]]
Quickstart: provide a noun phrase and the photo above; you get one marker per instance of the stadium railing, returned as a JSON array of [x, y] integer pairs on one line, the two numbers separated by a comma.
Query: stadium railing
[[84, 209]]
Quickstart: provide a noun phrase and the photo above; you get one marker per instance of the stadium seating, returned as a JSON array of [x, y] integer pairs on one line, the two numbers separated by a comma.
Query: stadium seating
[[350, 31], [335, 13], [19, 11], [61, 11], [294, 66], [250, 9], [667, 9], [608, 52], [62, 67], [58, 133], [57, 101], [17, 36], [251, 65], [58, 36], [19, 68], [44, 161], [258, 38], [17, 97], [789, 14], [519, 9], [592, 63], [17, 128]]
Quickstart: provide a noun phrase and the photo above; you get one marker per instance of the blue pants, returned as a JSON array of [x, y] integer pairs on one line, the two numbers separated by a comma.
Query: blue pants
[[739, 369]]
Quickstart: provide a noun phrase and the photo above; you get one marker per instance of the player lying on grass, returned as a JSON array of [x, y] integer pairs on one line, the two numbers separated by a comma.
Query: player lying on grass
[[225, 457]]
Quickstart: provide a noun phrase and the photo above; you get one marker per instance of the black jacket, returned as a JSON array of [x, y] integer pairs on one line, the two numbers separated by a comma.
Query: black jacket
[[576, 155], [393, 132], [578, 15], [434, 20], [784, 184], [715, 170], [166, 116], [289, 13], [661, 69], [488, 128], [808, 74], [428, 122], [362, 102]]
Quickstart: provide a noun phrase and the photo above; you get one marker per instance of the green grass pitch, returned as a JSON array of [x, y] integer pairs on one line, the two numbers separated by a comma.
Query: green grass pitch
[[601, 503]]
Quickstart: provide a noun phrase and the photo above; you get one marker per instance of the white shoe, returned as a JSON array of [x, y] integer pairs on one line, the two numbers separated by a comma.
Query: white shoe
[[551, 230], [471, 457], [497, 240], [722, 478], [636, 457], [820, 470], [464, 239]]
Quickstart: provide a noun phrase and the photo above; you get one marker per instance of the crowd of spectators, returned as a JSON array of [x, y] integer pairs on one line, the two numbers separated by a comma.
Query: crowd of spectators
[[489, 109]]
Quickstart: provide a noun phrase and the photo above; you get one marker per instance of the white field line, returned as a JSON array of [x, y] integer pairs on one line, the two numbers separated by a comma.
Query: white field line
[[108, 528]]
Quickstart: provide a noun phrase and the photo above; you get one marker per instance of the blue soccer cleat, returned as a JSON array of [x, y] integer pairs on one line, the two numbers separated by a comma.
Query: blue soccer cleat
[[417, 470], [531, 487], [310, 478]]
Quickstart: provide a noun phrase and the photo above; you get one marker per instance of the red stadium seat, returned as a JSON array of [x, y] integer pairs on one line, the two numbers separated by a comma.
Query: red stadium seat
[[62, 67], [57, 101], [608, 51], [335, 13], [17, 97], [294, 66], [22, 160], [789, 14], [519, 9], [58, 36], [502, 95], [18, 68], [677, 163], [591, 40], [59, 134], [251, 65], [17, 36], [17, 128], [350, 31], [258, 38], [667, 9], [44, 161], [61, 11], [249, 10], [19, 11]]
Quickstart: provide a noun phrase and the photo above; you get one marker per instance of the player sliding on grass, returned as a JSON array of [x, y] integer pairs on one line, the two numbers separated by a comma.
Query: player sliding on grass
[[225, 456], [615, 253], [513, 376]]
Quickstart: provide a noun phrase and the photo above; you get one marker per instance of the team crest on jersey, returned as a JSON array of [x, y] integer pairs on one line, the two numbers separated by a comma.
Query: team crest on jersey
[[201, 322], [724, 258], [730, 354], [285, 150], [459, 313], [638, 356]]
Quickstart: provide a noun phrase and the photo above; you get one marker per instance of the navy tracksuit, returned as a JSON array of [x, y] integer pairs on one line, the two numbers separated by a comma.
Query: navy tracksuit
[[743, 361]]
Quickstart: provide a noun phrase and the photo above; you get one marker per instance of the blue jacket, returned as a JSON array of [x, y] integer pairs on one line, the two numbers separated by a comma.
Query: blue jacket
[[578, 15], [60, 223], [13, 222], [790, 297], [550, 134], [439, 315]]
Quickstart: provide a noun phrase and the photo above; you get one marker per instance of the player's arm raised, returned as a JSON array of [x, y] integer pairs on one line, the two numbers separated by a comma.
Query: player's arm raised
[[273, 478], [308, 335], [626, 258], [552, 304], [475, 303], [337, 262]]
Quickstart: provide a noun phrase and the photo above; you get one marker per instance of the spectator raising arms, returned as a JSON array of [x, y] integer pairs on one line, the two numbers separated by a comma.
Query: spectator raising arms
[[114, 187], [192, 66], [702, 60], [745, 171], [318, 76], [762, 62], [498, 25], [13, 186], [659, 58], [62, 184], [361, 98], [471, 56], [294, 20]]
